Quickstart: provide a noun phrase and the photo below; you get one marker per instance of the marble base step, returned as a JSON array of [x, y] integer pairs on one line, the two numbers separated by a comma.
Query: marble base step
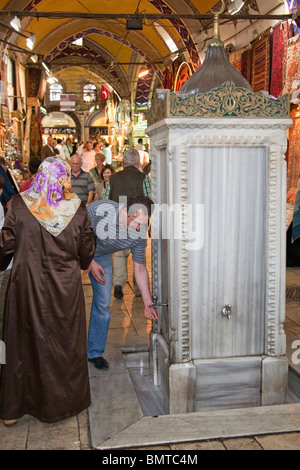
[[207, 425], [127, 410]]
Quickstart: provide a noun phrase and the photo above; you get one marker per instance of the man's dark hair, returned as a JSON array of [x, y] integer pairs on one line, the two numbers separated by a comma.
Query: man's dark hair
[[140, 201], [33, 165]]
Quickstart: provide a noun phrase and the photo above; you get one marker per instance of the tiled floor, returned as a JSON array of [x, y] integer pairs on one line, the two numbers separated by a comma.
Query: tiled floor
[[129, 327]]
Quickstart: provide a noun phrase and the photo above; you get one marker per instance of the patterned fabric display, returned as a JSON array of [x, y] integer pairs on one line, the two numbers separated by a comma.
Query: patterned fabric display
[[277, 61], [261, 62], [292, 66]]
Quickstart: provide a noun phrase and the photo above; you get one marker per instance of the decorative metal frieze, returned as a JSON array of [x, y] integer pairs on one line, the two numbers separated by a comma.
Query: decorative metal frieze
[[225, 101]]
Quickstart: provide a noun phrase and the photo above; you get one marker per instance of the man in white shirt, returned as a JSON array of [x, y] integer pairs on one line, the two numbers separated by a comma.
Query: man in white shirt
[[144, 156], [59, 147], [139, 145], [107, 153], [87, 154]]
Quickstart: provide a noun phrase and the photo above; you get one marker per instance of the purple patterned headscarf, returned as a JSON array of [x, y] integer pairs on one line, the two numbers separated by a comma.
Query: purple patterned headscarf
[[49, 197]]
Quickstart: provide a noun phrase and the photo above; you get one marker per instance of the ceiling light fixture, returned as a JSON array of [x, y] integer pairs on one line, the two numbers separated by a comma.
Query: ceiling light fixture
[[46, 67], [134, 24], [34, 58], [235, 5], [16, 23], [88, 98], [30, 42], [78, 42], [174, 56], [52, 80], [143, 72]]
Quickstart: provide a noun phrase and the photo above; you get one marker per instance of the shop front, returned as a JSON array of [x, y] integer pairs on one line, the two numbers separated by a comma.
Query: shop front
[[59, 125]]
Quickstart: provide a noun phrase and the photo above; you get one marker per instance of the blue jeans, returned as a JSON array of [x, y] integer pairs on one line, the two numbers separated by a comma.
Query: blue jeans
[[100, 311]]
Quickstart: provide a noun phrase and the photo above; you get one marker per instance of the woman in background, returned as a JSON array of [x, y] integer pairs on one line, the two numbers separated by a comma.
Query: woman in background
[[106, 173], [96, 174]]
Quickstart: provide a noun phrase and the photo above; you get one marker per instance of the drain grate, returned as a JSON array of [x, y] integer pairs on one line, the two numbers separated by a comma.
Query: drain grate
[[293, 293]]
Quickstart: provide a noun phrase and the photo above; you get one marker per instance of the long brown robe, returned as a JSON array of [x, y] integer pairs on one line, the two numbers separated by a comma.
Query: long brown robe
[[46, 373]]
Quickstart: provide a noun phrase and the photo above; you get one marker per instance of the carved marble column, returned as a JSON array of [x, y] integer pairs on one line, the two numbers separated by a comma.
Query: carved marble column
[[218, 166]]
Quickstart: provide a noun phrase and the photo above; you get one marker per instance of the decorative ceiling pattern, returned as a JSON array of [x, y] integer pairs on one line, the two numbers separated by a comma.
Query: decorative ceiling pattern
[[111, 50]]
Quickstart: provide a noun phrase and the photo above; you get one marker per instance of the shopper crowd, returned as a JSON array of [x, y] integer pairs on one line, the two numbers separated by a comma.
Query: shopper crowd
[[66, 218]]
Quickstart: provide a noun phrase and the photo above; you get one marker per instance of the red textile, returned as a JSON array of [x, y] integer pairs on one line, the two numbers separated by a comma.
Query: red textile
[[278, 47], [261, 62], [25, 185], [246, 65], [293, 153], [291, 79], [104, 93]]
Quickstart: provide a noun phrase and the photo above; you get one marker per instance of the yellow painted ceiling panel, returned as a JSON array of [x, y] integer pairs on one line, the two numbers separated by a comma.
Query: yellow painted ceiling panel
[[112, 45], [121, 52], [3, 4], [204, 6], [50, 32], [43, 26]]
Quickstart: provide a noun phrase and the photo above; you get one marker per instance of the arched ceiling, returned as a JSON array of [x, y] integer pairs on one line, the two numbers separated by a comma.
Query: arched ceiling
[[111, 54]]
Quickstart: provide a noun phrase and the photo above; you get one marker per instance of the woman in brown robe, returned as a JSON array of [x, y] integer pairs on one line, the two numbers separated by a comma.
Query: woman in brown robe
[[48, 233]]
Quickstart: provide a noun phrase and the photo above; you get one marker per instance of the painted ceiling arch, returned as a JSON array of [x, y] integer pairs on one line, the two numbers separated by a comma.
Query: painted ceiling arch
[[111, 50]]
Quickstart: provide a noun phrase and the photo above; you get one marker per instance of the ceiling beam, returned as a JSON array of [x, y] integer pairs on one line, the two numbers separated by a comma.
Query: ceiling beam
[[143, 16]]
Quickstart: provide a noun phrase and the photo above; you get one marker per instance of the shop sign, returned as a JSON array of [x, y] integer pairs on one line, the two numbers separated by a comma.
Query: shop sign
[[67, 102], [5, 115], [59, 130], [2, 92], [140, 121], [98, 131]]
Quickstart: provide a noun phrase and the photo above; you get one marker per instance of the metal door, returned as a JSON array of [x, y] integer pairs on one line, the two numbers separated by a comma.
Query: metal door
[[227, 273]]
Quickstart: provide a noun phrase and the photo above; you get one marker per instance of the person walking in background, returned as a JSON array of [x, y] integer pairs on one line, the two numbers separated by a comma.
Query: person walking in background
[[87, 154], [107, 153], [139, 145], [68, 148], [48, 232], [106, 172], [144, 154], [60, 147], [81, 181], [96, 174], [33, 166], [97, 147], [4, 275], [49, 149], [8, 191]]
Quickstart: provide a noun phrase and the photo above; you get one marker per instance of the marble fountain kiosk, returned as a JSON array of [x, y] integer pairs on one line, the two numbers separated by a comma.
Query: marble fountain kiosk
[[218, 241]]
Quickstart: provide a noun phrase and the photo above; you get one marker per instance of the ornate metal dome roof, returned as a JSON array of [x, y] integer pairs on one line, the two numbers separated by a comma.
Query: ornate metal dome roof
[[216, 68]]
